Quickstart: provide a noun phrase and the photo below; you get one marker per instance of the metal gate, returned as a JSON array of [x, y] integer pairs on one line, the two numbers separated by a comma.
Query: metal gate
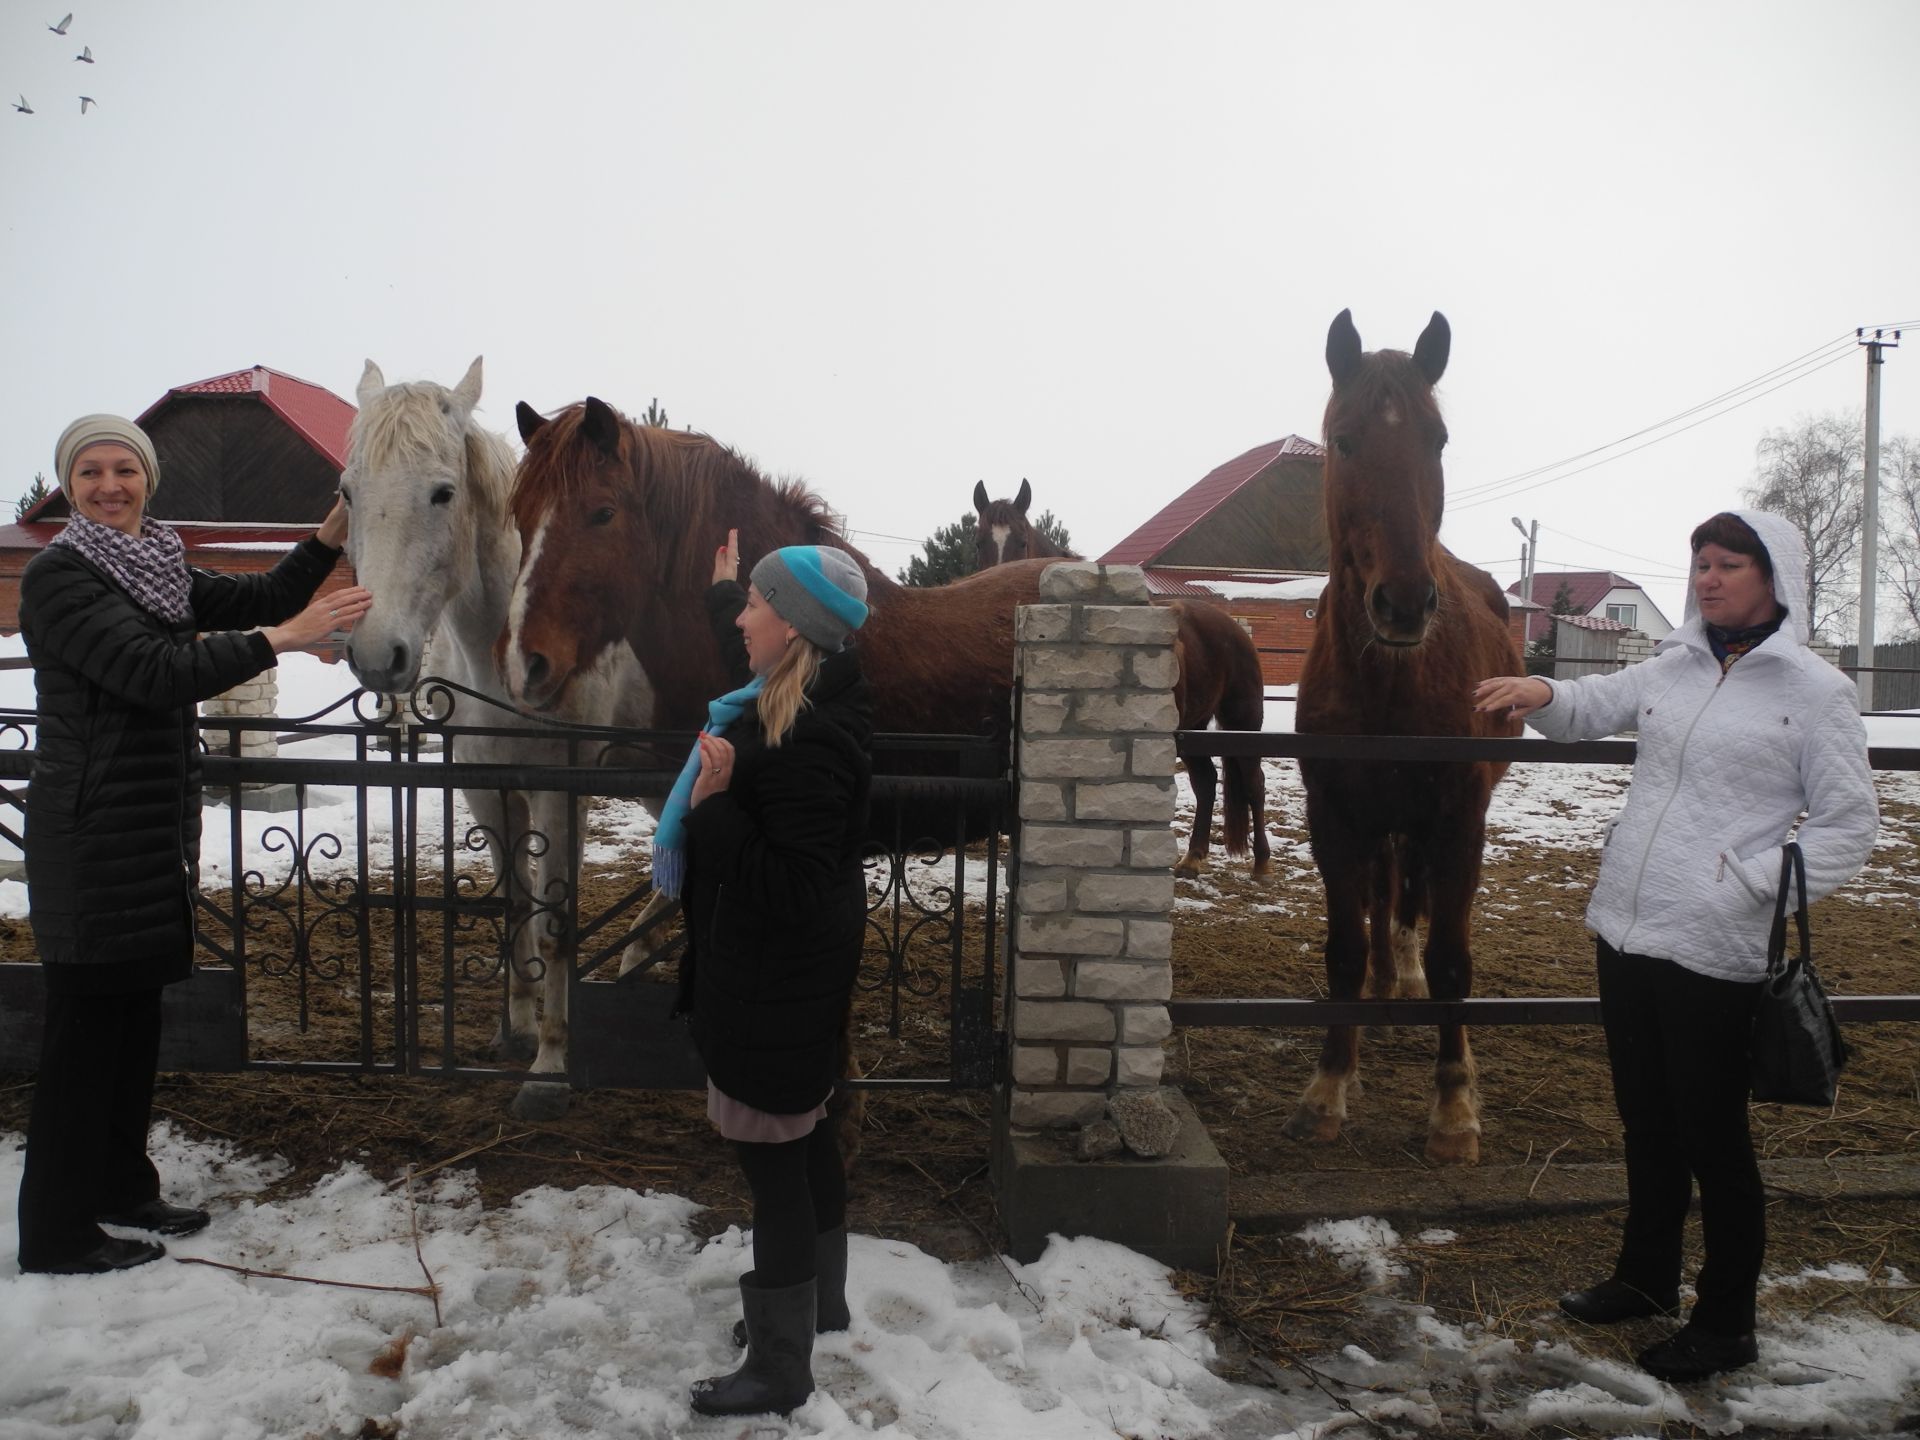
[[352, 918]]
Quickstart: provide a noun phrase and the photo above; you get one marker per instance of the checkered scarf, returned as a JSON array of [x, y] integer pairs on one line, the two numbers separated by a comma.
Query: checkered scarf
[[151, 566]]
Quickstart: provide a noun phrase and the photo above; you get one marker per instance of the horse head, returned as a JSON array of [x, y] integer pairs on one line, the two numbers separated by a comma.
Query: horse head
[[424, 485], [1385, 490], [586, 555], [1003, 532]]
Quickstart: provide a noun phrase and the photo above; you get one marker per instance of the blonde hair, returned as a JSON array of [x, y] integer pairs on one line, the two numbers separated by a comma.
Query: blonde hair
[[785, 694]]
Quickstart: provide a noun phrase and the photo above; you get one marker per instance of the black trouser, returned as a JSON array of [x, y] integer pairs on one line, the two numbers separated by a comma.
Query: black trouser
[[87, 1135], [799, 1190], [1679, 1045]]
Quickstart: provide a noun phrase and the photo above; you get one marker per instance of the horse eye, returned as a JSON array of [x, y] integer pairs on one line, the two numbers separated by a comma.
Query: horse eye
[[442, 495], [1343, 444], [346, 495], [602, 516]]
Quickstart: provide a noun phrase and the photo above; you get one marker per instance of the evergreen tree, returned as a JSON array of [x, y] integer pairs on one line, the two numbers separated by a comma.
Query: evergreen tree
[[950, 552], [655, 416], [1053, 530], [36, 492]]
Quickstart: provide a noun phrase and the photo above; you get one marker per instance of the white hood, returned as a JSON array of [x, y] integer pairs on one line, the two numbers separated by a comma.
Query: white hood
[[1788, 552]]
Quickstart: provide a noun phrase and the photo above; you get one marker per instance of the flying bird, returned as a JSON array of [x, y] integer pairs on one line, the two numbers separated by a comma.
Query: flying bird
[[61, 28], [86, 100], [23, 107], [86, 54]]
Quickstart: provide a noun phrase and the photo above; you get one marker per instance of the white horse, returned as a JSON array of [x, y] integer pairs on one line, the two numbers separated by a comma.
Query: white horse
[[431, 538]]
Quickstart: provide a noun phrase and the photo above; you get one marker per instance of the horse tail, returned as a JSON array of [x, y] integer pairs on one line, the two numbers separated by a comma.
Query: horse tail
[[1242, 707]]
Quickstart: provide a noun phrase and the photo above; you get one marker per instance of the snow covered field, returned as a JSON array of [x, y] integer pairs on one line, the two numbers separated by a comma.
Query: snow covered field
[[587, 1312]]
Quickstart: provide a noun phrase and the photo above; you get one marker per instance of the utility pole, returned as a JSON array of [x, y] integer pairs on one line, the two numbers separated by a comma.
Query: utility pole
[[1870, 513], [1529, 562]]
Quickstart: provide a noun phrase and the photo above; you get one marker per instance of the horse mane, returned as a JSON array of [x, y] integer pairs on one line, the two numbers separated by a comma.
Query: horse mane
[[409, 421], [687, 483]]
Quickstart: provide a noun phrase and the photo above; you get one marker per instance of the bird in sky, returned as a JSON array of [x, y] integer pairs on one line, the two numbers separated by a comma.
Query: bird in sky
[[86, 100], [86, 54], [61, 28], [23, 107]]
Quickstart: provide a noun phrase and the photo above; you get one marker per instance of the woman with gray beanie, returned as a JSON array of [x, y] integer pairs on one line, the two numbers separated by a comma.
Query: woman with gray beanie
[[762, 837], [125, 640]]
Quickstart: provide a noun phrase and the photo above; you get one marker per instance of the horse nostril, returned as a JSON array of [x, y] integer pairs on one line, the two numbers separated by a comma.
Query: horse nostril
[[399, 660], [537, 669]]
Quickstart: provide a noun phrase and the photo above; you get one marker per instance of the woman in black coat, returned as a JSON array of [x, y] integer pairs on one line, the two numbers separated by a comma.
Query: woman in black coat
[[113, 621], [763, 838]]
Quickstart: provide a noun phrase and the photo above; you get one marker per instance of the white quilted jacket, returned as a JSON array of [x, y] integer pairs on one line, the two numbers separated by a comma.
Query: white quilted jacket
[[1726, 765]]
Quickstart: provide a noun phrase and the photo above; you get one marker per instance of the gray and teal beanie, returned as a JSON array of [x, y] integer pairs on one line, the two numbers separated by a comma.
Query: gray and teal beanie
[[816, 589]]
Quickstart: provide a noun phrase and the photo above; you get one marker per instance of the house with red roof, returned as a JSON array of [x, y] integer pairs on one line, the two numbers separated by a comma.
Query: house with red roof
[[1249, 536], [249, 463], [1600, 594]]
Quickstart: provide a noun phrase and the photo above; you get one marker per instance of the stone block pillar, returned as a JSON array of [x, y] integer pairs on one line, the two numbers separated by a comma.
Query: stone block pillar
[[1091, 968], [258, 696]]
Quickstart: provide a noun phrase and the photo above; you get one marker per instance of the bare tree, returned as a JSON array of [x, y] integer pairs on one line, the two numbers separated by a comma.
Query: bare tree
[[1900, 528], [1812, 474]]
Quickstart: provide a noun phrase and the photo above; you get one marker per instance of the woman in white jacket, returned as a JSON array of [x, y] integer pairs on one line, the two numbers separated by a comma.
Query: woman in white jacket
[[1742, 732]]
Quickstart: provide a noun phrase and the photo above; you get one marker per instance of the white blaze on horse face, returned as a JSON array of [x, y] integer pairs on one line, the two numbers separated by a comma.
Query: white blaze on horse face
[[516, 664], [1389, 415], [1000, 534]]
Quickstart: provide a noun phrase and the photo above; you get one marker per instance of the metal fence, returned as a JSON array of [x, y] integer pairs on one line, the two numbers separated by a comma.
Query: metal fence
[[351, 918]]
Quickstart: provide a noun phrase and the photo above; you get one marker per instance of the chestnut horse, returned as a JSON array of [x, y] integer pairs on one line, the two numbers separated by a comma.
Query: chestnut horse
[[619, 523], [1405, 632], [1219, 680]]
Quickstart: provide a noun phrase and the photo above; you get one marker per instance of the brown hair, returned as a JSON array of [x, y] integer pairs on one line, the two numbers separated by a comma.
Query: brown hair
[[1730, 532]]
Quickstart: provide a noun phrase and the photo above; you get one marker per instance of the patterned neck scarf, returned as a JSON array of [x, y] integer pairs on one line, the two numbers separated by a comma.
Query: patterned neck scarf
[[1729, 645], [151, 566]]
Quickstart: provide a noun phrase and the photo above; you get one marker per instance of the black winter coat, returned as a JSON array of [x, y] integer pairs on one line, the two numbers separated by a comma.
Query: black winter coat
[[113, 810], [775, 894]]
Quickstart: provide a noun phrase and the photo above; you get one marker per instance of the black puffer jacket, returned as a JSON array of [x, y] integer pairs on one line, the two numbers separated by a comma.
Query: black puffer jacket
[[775, 896], [113, 810]]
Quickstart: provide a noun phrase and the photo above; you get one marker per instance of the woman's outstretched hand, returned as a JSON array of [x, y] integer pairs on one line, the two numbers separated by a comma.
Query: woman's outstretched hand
[[1518, 695], [726, 560], [337, 610]]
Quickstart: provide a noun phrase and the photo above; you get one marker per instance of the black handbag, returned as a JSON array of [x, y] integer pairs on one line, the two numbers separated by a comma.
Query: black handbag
[[1797, 1050]]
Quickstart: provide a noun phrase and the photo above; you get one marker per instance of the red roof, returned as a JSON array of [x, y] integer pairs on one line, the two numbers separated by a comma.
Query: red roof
[[1201, 499], [321, 417]]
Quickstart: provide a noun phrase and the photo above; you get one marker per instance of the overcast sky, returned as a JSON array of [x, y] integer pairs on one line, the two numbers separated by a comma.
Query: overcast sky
[[896, 249]]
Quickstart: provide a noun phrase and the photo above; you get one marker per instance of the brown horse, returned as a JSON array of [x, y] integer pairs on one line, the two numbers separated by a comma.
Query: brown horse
[[1405, 632], [619, 523], [1218, 680], [1005, 533]]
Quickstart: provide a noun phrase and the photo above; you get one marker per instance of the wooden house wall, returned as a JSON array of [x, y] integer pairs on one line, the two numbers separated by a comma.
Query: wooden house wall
[[1276, 521]]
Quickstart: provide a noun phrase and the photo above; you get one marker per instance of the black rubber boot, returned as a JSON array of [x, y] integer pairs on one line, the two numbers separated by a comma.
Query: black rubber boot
[[830, 1285], [778, 1374]]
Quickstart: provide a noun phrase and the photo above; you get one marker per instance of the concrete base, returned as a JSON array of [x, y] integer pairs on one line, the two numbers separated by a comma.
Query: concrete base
[[1173, 1209], [273, 799]]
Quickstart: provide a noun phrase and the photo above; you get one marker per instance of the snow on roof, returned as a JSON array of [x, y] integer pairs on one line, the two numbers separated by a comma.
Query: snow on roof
[[1297, 587]]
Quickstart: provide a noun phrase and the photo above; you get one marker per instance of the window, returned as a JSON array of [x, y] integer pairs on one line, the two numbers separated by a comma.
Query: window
[[1626, 614]]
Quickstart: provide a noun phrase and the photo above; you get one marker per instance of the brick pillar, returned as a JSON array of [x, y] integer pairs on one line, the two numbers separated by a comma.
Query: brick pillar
[[258, 696], [1091, 963]]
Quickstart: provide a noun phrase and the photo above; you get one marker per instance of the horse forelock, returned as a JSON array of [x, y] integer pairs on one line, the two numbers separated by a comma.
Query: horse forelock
[[1387, 387]]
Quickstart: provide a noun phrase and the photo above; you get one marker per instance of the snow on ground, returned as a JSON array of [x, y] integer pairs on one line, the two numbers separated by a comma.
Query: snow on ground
[[587, 1313]]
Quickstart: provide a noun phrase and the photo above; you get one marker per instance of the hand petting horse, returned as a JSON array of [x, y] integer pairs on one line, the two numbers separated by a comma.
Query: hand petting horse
[[1405, 632], [1219, 681]]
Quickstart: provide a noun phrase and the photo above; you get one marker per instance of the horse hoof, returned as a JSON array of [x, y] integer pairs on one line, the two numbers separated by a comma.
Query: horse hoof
[[1462, 1147], [1189, 866], [541, 1100], [513, 1049], [1262, 868], [1316, 1126]]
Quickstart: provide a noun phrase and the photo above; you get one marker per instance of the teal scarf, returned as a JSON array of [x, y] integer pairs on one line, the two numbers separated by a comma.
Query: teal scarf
[[670, 835]]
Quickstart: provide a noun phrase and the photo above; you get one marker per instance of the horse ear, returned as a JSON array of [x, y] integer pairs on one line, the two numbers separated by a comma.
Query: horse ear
[[980, 501], [467, 392], [601, 425], [529, 420], [1343, 348], [1025, 497], [372, 382], [1430, 352]]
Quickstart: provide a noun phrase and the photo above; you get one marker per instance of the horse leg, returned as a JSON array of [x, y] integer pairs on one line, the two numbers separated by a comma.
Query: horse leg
[[1202, 776], [1256, 782], [1395, 970], [1453, 862], [1345, 870], [642, 948], [499, 818], [555, 929]]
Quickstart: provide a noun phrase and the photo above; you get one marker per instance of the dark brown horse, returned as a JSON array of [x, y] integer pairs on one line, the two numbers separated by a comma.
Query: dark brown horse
[[1005, 533], [618, 525], [1219, 680], [1405, 632]]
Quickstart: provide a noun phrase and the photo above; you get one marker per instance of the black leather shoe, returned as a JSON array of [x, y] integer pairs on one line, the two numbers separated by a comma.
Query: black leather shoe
[[1612, 1301], [159, 1217], [1690, 1354], [109, 1255]]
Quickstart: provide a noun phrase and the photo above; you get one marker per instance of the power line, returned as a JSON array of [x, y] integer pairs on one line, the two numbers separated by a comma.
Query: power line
[[1485, 499]]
